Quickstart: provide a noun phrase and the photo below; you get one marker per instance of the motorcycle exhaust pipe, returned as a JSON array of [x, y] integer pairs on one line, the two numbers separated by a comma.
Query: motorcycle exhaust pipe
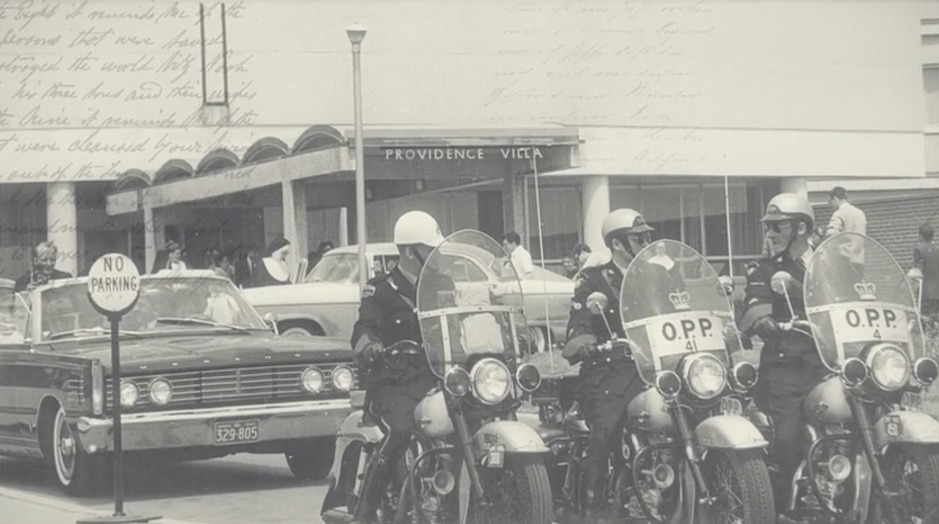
[[443, 482]]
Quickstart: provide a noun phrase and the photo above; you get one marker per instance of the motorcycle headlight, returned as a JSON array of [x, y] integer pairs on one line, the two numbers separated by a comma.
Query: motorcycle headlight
[[925, 370], [129, 394], [161, 392], [343, 378], [528, 376], [745, 375], [889, 365], [705, 375], [491, 380], [312, 380]]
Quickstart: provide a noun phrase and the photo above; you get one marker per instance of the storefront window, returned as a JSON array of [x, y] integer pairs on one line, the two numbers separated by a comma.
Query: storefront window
[[561, 221]]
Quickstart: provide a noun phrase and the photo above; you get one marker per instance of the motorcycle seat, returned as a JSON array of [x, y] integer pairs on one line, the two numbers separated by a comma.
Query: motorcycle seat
[[551, 434]]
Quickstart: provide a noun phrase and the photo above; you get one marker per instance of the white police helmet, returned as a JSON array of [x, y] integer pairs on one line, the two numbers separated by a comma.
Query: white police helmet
[[623, 220], [417, 227]]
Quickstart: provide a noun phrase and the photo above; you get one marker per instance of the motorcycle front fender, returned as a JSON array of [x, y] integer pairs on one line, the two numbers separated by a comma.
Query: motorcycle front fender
[[512, 436], [729, 432], [912, 427]]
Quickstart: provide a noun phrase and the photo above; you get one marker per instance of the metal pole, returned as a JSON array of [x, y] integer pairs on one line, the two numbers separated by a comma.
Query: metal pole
[[544, 284], [116, 400], [730, 251], [359, 166]]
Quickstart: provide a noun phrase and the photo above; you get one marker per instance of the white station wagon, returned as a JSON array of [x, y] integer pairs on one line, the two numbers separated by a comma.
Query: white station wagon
[[327, 301]]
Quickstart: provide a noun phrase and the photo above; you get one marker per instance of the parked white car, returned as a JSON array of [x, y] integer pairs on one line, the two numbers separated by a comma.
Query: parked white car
[[327, 301]]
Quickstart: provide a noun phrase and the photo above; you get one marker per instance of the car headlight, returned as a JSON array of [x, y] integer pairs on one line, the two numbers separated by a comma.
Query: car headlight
[[343, 378], [491, 380], [312, 380], [705, 375], [129, 394], [889, 365], [161, 392]]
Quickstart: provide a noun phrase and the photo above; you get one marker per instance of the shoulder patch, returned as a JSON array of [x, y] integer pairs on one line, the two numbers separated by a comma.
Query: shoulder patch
[[368, 291], [577, 306]]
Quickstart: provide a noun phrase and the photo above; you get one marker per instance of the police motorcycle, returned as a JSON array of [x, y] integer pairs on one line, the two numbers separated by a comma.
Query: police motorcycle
[[695, 457], [470, 459], [871, 455]]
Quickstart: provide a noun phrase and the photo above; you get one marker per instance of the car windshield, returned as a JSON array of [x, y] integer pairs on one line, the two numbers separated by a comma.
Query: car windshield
[[165, 303], [339, 268]]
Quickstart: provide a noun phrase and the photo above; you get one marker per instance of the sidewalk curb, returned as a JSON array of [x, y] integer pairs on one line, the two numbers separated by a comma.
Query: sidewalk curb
[[70, 507]]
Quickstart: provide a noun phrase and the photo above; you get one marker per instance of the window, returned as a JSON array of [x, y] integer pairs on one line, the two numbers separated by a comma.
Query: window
[[931, 84], [561, 221]]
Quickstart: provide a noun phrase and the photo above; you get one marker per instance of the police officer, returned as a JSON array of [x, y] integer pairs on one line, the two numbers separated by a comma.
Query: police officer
[[789, 363], [608, 379], [387, 315]]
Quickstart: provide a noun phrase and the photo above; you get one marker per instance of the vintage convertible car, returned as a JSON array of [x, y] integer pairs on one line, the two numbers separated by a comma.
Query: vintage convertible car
[[202, 376], [327, 301]]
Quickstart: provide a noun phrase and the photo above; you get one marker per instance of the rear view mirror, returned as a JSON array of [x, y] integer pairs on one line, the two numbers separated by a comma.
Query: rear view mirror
[[597, 302], [781, 282], [271, 320]]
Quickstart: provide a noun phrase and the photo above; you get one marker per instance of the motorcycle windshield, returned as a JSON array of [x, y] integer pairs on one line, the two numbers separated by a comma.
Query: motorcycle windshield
[[856, 294], [469, 302], [673, 304]]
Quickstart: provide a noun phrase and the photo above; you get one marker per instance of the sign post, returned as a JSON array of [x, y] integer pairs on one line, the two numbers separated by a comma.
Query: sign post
[[113, 289]]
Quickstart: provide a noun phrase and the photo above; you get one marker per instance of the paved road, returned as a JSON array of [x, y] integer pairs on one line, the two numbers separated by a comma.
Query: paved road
[[240, 489]]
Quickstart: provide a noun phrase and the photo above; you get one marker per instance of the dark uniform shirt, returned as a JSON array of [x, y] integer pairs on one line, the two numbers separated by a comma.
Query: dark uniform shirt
[[607, 372], [786, 347]]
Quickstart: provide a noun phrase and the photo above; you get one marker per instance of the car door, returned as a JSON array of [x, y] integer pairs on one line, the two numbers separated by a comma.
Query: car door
[[14, 350]]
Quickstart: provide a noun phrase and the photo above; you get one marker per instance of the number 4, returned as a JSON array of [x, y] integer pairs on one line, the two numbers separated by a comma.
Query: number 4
[[877, 334]]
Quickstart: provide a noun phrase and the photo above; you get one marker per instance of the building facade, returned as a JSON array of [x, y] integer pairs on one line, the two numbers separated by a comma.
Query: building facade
[[125, 125]]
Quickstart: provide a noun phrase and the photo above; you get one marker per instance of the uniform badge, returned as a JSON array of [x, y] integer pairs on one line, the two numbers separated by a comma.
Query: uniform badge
[[577, 306], [368, 291], [751, 267]]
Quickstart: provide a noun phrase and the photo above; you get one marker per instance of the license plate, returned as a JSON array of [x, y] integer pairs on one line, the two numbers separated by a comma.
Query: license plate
[[868, 322], [687, 332], [236, 432]]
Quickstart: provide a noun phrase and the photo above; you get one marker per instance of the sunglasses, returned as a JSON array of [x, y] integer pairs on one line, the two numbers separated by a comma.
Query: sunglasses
[[775, 227], [641, 238]]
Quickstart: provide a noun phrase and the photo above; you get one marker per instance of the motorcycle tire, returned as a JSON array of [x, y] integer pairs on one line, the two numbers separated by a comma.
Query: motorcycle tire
[[749, 481], [894, 465], [524, 484]]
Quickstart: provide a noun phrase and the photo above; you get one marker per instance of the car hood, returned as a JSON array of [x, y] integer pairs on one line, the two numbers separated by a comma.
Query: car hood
[[311, 292], [189, 351]]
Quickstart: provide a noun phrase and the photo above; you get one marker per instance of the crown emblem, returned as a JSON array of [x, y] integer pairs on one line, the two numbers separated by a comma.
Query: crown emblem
[[680, 299], [866, 290]]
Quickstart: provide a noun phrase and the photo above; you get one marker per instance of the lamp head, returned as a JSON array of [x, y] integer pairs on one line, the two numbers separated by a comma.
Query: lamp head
[[356, 33]]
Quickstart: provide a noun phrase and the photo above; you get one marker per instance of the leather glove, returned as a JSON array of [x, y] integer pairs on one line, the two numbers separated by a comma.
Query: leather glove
[[765, 327], [590, 350], [369, 352], [621, 347]]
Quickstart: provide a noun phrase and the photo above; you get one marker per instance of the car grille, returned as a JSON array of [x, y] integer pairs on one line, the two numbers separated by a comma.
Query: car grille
[[231, 385]]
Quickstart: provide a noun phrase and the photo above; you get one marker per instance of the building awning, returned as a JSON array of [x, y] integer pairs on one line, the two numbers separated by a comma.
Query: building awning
[[326, 151]]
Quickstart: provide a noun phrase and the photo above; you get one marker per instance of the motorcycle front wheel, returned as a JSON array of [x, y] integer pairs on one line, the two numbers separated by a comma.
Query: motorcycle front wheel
[[912, 473], [739, 485], [519, 493]]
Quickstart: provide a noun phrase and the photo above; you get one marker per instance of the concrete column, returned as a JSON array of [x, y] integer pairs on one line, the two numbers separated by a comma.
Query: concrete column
[[513, 204], [62, 224], [289, 211], [343, 226], [798, 185], [301, 217], [150, 246], [595, 194]]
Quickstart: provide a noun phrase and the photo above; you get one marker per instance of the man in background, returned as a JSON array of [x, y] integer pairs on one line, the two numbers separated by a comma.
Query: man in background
[[43, 268], [519, 256], [851, 219], [926, 258]]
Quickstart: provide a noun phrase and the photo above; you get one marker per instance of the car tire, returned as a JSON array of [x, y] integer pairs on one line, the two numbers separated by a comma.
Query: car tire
[[77, 472], [312, 461], [299, 329], [539, 339]]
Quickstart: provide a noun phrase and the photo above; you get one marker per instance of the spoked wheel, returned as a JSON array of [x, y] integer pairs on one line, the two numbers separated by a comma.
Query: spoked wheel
[[77, 472], [659, 497], [518, 493], [912, 476], [740, 489]]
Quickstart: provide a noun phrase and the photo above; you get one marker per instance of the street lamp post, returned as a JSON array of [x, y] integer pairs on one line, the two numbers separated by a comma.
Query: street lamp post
[[356, 34]]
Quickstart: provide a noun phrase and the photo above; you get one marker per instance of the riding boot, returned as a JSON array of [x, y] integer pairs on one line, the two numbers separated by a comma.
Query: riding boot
[[377, 475]]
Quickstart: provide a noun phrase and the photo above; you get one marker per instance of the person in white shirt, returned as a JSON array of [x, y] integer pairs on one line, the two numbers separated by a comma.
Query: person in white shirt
[[847, 218], [519, 256]]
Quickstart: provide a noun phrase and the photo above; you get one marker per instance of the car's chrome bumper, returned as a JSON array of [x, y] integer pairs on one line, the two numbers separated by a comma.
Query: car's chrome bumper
[[195, 427]]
